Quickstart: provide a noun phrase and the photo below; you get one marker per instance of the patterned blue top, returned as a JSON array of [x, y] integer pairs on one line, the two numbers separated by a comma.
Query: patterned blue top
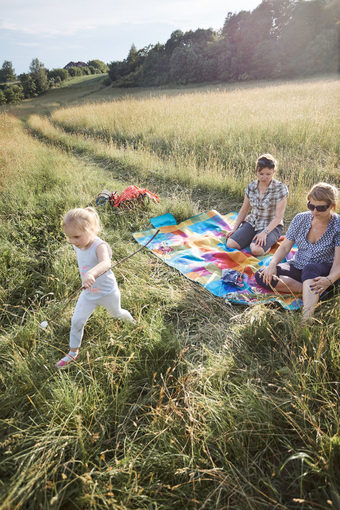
[[321, 251]]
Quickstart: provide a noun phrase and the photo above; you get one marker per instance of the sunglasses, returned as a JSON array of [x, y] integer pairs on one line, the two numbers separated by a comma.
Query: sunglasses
[[319, 208], [266, 163]]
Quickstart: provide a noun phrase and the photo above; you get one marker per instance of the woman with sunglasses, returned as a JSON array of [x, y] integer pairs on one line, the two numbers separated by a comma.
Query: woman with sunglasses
[[316, 265], [265, 199]]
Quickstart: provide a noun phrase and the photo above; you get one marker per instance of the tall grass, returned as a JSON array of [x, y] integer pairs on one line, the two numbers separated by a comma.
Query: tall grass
[[227, 129], [202, 405]]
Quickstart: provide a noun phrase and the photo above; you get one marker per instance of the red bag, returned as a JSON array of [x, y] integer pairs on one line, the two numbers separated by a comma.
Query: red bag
[[131, 196], [133, 192]]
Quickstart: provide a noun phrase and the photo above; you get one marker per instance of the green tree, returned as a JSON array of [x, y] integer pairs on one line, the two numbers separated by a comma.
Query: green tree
[[184, 65], [135, 58], [176, 39], [198, 39], [9, 94], [18, 93], [2, 97], [99, 65], [133, 55], [62, 74], [156, 66], [75, 71], [223, 59], [28, 85], [36, 66], [86, 70], [114, 70], [7, 72], [39, 76], [309, 20]]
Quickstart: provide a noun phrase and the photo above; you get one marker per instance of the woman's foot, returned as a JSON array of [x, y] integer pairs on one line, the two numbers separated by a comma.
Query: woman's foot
[[67, 360]]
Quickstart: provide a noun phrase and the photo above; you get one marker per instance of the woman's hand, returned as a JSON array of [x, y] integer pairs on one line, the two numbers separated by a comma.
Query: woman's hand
[[260, 238], [228, 234], [88, 280], [268, 273], [320, 284]]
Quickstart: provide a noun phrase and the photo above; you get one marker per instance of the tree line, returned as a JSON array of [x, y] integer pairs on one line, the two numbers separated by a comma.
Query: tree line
[[278, 39], [14, 89]]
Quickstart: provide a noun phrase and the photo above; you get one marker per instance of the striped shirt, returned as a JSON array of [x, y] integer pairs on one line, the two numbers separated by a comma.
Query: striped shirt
[[263, 208], [321, 251]]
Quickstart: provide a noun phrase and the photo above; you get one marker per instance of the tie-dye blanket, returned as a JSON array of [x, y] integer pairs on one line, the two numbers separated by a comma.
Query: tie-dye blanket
[[196, 247]]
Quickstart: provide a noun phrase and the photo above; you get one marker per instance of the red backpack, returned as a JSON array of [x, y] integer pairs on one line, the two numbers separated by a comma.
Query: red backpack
[[129, 198]]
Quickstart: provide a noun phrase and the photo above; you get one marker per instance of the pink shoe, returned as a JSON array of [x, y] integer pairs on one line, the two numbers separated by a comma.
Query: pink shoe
[[66, 361]]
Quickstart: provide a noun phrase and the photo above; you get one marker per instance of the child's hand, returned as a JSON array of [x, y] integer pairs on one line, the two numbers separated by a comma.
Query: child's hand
[[88, 280]]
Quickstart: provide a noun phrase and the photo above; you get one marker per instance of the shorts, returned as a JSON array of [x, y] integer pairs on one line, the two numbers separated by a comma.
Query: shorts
[[246, 232], [309, 272]]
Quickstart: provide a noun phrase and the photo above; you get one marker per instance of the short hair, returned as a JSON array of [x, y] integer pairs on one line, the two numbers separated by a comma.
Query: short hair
[[324, 192], [86, 219], [266, 161]]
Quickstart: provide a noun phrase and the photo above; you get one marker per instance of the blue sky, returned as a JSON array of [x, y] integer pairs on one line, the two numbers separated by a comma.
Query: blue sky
[[58, 31]]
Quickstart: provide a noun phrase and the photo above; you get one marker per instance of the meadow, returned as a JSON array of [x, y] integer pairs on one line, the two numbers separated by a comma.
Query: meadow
[[202, 405]]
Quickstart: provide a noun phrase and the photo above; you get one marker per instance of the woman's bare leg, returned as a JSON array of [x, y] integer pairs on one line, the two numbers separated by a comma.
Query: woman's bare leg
[[287, 285], [233, 244], [310, 299]]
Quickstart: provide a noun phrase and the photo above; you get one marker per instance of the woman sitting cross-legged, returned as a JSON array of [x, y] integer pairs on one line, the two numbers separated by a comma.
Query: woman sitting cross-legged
[[316, 265]]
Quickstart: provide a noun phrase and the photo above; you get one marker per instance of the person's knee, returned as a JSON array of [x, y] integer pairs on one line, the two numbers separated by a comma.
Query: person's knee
[[232, 244], [256, 250], [260, 281]]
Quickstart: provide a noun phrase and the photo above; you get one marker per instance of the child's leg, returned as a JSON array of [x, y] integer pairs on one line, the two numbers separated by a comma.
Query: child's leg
[[84, 308], [82, 312], [112, 304]]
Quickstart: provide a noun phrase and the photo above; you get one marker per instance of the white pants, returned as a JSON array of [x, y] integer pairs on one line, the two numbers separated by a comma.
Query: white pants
[[85, 307]]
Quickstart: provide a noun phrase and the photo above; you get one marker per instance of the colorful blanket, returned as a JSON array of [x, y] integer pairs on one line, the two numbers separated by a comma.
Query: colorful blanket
[[196, 247]]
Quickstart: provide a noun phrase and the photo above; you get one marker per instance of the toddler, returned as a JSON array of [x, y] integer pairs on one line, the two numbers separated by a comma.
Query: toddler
[[81, 227]]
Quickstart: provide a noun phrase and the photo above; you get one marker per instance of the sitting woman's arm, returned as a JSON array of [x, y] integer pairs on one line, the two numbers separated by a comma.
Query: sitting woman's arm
[[269, 271], [241, 216]]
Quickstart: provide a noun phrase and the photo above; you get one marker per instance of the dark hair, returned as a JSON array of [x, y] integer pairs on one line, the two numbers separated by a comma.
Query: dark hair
[[266, 161]]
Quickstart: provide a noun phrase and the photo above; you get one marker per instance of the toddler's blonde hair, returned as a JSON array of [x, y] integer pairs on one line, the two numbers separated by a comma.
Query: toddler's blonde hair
[[86, 219]]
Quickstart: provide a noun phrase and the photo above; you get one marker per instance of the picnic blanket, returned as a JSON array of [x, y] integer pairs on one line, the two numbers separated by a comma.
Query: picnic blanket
[[196, 247]]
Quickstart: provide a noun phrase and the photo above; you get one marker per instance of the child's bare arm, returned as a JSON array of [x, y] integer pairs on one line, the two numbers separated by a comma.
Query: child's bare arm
[[104, 264]]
